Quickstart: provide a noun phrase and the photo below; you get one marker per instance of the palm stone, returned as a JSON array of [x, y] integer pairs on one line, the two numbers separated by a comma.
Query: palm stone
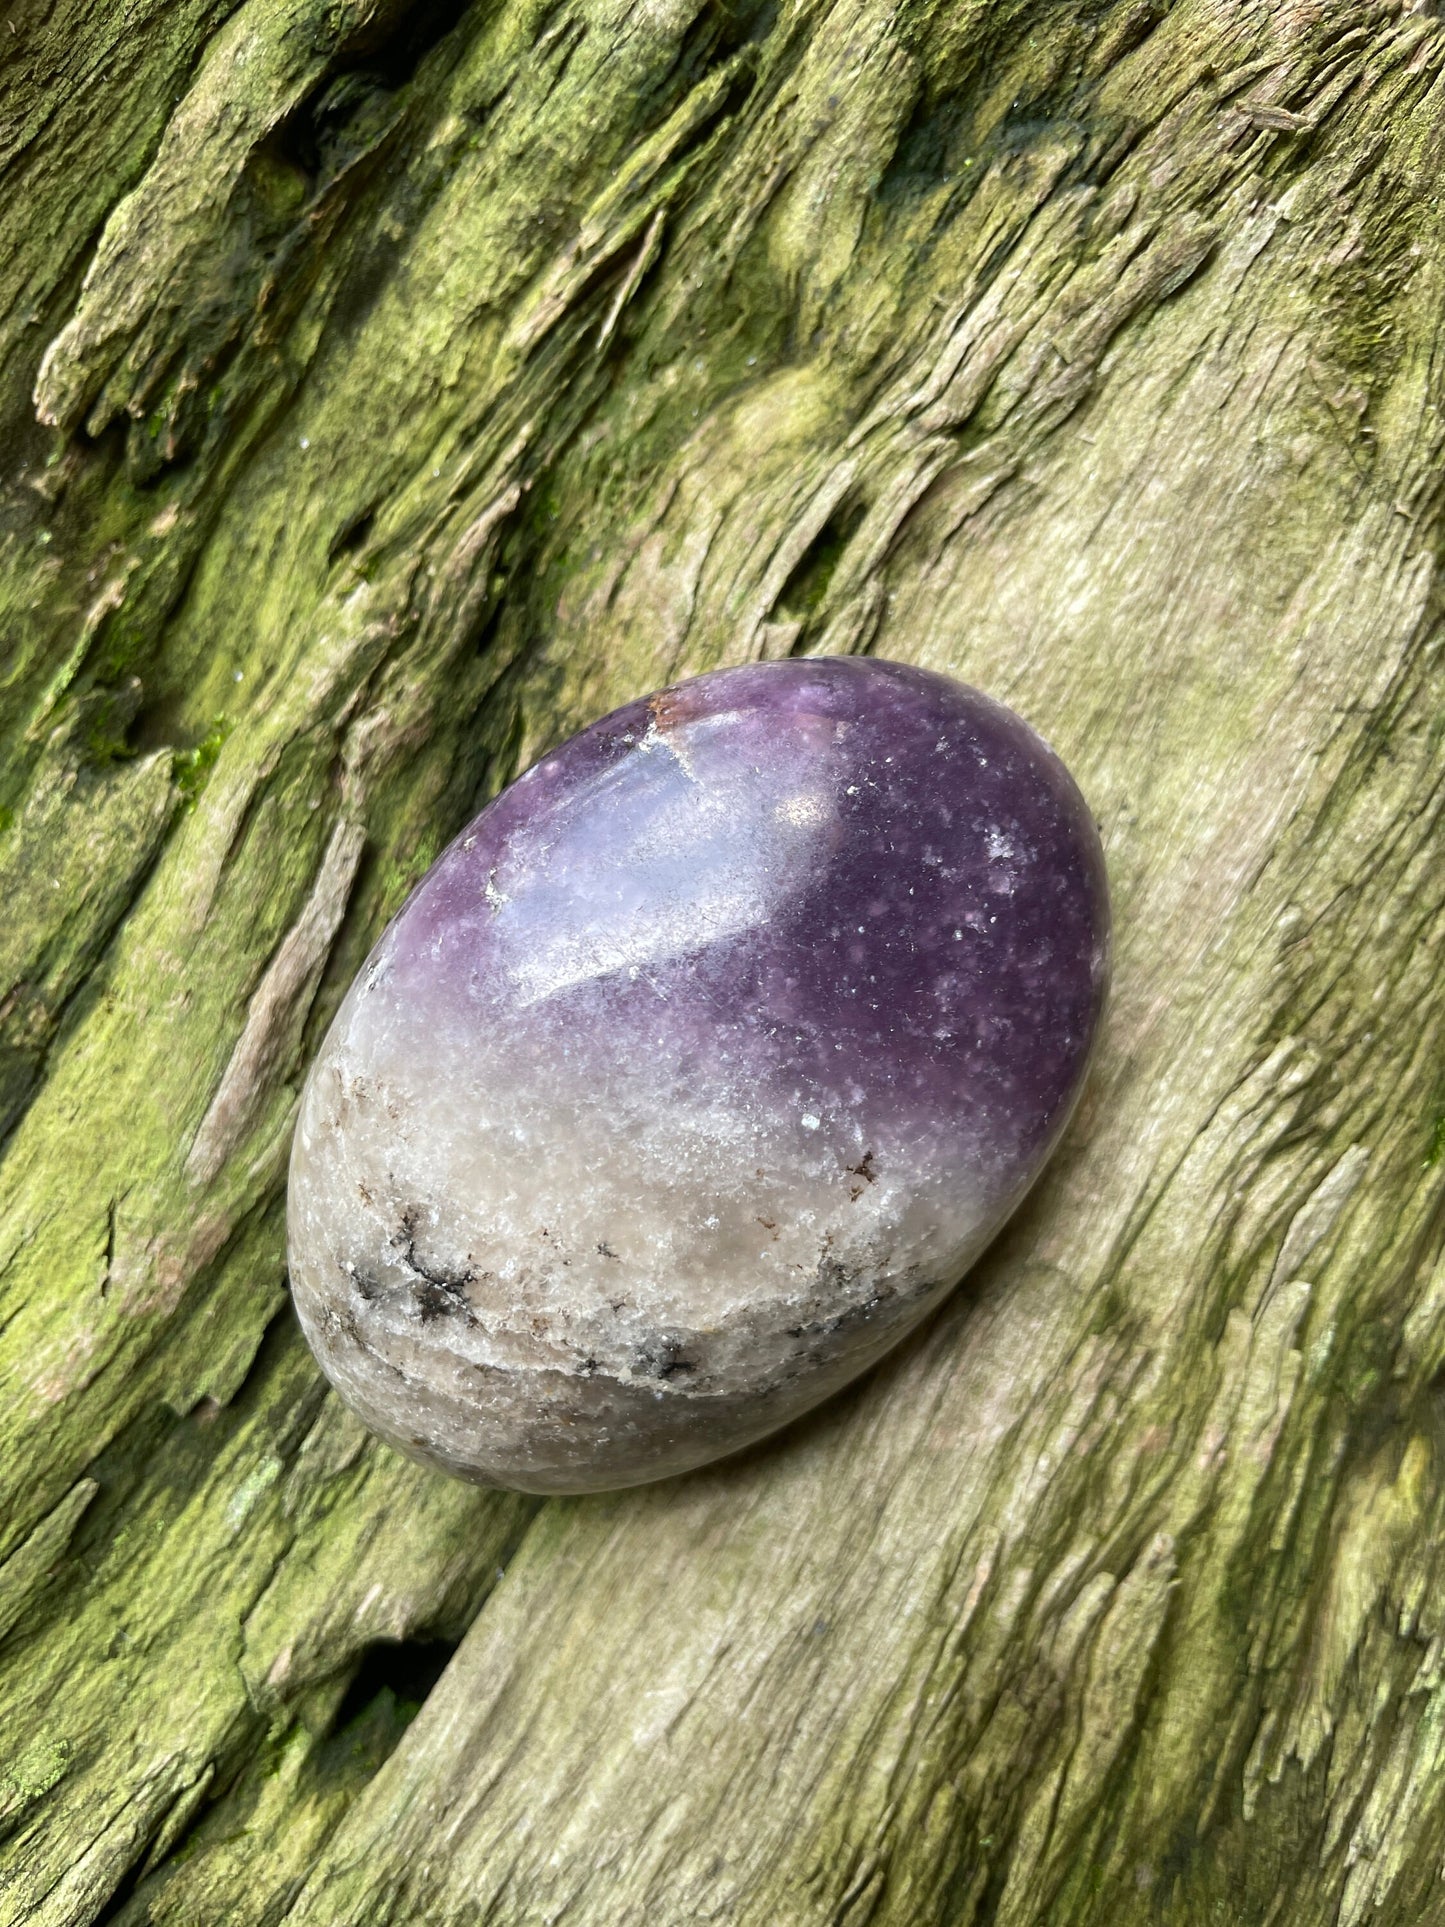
[[696, 1072]]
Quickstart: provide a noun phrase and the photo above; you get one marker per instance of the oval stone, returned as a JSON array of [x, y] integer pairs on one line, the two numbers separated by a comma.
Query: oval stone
[[696, 1071]]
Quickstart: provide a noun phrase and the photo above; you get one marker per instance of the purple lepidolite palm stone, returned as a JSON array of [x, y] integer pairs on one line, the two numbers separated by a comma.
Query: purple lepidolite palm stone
[[696, 1071]]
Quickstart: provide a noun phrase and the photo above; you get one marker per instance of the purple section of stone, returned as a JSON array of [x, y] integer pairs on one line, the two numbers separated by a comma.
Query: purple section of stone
[[941, 965], [696, 1070]]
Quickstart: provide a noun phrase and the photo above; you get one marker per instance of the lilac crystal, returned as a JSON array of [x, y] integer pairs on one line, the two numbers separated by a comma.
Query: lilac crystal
[[696, 1071]]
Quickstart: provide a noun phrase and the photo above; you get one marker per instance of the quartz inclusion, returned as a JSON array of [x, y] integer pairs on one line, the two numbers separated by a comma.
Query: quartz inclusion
[[696, 1071]]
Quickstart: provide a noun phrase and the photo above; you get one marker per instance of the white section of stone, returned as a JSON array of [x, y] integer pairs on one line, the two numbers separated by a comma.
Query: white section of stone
[[554, 1263]]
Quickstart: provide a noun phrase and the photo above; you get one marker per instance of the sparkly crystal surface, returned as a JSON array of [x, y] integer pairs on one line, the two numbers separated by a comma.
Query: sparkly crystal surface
[[696, 1072]]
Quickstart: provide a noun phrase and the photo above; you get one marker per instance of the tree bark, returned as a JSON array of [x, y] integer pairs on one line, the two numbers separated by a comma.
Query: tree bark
[[386, 391]]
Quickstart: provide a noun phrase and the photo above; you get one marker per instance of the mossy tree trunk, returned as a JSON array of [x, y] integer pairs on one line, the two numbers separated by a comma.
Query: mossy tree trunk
[[386, 390]]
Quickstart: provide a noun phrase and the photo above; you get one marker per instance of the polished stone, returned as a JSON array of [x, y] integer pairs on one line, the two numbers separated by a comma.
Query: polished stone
[[696, 1072]]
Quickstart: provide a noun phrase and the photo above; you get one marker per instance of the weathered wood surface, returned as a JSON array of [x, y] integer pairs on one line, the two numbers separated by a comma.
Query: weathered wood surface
[[385, 391]]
